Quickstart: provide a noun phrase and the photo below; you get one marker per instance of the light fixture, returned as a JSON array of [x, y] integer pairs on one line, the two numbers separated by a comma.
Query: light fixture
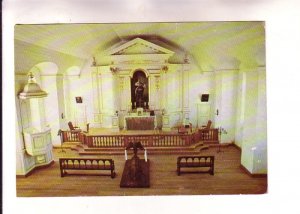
[[94, 62], [165, 68], [114, 69], [32, 89], [186, 59]]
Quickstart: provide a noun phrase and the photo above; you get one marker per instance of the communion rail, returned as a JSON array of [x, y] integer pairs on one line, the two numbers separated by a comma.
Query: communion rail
[[154, 140]]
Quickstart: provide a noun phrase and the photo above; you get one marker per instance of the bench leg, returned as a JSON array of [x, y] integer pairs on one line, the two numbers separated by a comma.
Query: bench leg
[[178, 171], [212, 171], [112, 173]]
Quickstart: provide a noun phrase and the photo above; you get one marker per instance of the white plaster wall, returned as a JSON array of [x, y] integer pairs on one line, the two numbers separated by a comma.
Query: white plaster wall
[[218, 100], [67, 99], [72, 90], [174, 90], [80, 86], [199, 83], [85, 113], [228, 106], [108, 92], [249, 130], [69, 87], [260, 153], [225, 103], [239, 118], [249, 146], [61, 101], [100, 100], [51, 102]]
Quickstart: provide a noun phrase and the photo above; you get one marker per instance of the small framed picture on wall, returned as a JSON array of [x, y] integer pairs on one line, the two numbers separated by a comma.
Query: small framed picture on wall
[[78, 99]]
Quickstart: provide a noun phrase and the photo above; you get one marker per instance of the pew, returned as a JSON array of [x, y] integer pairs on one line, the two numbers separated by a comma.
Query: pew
[[86, 164], [206, 162]]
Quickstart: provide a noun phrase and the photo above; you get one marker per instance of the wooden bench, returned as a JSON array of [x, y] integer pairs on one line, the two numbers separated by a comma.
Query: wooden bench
[[196, 162], [86, 164]]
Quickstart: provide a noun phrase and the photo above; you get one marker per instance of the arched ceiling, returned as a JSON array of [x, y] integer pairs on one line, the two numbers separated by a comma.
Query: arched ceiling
[[211, 45]]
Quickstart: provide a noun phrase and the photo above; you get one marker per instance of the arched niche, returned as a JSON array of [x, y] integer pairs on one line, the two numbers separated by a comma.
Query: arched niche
[[139, 89], [43, 68], [73, 71], [47, 68]]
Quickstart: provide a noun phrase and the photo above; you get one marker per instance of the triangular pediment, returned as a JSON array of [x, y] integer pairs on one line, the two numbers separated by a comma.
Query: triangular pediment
[[139, 46]]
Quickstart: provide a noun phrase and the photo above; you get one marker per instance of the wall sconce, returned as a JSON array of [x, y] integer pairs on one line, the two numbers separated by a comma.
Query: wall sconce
[[186, 59], [217, 112], [114, 69], [94, 62], [165, 68]]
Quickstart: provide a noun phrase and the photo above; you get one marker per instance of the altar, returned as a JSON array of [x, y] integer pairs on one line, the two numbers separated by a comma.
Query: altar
[[140, 122]]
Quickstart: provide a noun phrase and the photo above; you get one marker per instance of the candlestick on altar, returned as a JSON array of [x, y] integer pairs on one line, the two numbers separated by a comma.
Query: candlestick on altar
[[126, 155], [145, 155]]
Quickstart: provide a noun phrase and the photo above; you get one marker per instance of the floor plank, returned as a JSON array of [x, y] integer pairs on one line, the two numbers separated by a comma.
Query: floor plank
[[229, 178]]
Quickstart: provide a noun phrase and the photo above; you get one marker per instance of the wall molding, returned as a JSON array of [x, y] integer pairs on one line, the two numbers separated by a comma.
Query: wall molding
[[237, 147], [254, 175]]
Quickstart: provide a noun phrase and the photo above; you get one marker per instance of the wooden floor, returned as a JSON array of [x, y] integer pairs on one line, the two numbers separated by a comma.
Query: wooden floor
[[229, 178]]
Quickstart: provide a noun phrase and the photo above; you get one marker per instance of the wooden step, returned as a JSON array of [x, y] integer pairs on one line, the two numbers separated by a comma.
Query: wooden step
[[68, 145], [219, 144], [156, 151], [140, 154], [186, 150]]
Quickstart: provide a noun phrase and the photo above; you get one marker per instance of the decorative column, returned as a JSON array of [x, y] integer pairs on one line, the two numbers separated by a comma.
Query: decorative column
[[185, 95], [165, 116], [158, 100], [152, 92], [96, 98], [127, 88]]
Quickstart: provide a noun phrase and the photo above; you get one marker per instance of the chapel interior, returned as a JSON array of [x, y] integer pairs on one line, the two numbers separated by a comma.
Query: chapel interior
[[149, 102]]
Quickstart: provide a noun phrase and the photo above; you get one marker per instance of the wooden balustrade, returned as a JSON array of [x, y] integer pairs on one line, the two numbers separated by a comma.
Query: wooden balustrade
[[71, 136], [155, 140], [209, 135]]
